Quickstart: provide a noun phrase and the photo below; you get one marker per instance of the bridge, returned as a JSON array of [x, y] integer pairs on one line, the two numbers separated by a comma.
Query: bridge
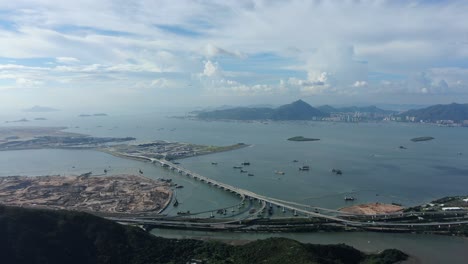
[[347, 219]]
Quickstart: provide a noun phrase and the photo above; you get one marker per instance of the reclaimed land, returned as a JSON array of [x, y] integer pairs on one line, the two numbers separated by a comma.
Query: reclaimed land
[[15, 138], [45, 236], [166, 150], [372, 209], [21, 138], [301, 138], [120, 194]]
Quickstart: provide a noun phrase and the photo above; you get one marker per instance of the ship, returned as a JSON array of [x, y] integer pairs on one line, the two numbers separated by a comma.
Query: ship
[[337, 171]]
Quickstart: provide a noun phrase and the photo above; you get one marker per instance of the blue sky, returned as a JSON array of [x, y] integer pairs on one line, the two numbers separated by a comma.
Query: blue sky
[[112, 54]]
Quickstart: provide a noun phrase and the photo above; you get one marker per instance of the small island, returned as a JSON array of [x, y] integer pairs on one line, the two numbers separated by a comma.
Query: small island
[[418, 139], [301, 138]]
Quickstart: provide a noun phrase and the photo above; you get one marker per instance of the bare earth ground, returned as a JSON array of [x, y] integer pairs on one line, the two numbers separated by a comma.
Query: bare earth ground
[[372, 209], [105, 194]]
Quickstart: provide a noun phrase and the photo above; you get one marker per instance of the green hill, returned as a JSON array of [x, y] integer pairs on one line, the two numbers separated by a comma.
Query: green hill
[[454, 111], [46, 236], [298, 110]]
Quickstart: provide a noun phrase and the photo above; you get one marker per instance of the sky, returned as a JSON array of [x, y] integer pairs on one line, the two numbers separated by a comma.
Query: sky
[[118, 54]]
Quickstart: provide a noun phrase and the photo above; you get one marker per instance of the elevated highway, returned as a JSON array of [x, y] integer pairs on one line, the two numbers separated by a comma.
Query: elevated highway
[[318, 212]]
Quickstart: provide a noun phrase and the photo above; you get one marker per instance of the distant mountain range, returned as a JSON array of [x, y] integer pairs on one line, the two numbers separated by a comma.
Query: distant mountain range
[[353, 109], [454, 111], [298, 110]]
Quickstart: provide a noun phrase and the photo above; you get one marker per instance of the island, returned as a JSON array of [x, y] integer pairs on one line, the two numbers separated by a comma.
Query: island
[[418, 139], [22, 120], [20, 138], [298, 110], [448, 114], [165, 150], [38, 108], [123, 194], [301, 138]]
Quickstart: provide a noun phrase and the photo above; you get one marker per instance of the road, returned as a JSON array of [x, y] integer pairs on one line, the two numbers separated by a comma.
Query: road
[[295, 207]]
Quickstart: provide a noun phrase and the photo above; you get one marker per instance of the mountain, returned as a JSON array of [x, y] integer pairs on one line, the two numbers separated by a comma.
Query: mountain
[[454, 111], [38, 108], [353, 109], [53, 237], [298, 110], [327, 109], [238, 113]]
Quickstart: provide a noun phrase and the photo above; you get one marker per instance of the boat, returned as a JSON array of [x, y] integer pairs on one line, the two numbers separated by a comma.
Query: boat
[[349, 198], [179, 186], [176, 203], [214, 163], [337, 171], [243, 171], [279, 172], [250, 174], [304, 168], [237, 167], [245, 163], [140, 171]]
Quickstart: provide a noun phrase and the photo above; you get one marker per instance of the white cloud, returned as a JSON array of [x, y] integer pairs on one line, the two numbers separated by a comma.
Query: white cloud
[[213, 51], [67, 60], [358, 84], [211, 69], [335, 44]]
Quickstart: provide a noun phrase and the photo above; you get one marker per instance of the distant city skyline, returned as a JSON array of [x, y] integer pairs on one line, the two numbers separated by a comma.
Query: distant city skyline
[[142, 54]]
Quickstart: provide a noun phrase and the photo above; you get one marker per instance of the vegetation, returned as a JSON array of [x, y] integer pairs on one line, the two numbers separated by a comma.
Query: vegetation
[[45, 236], [455, 112], [301, 138], [298, 110]]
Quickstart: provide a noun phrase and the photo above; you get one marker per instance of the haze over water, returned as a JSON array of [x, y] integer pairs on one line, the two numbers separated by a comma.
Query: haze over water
[[374, 168]]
